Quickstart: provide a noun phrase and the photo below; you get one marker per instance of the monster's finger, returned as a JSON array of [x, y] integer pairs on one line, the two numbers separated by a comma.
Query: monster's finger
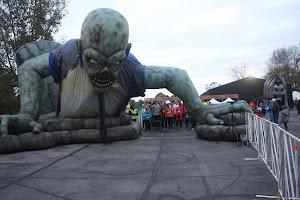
[[4, 126], [247, 108], [36, 127], [210, 118], [242, 106]]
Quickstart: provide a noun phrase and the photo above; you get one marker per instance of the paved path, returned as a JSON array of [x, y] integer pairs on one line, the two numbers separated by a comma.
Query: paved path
[[158, 165]]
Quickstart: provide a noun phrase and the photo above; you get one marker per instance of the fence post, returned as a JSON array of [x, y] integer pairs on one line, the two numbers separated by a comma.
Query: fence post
[[296, 171]]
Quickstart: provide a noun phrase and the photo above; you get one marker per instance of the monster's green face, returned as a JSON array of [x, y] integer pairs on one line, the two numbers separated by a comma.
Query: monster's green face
[[102, 71], [104, 40]]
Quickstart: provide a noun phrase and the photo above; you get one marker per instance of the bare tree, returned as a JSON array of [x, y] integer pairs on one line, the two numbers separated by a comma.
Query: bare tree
[[132, 102], [212, 85], [161, 95], [245, 69], [285, 62], [139, 103], [22, 22]]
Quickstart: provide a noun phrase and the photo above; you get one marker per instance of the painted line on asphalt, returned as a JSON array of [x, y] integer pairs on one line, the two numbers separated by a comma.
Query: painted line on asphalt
[[167, 138], [267, 197]]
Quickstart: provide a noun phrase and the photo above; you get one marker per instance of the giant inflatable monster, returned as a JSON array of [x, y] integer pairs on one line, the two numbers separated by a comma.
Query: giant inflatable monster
[[71, 78]]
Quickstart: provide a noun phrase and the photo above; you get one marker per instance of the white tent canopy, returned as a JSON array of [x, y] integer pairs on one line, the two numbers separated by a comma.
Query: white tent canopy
[[213, 101], [296, 95], [228, 100]]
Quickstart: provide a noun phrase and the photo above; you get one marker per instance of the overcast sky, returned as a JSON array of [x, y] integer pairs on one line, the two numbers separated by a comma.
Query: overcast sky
[[203, 37]]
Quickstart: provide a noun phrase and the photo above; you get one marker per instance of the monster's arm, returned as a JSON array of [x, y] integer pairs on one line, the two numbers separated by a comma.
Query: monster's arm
[[31, 74], [178, 82]]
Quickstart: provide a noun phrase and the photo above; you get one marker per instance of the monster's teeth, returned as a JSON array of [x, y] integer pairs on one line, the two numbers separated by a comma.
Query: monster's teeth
[[101, 83]]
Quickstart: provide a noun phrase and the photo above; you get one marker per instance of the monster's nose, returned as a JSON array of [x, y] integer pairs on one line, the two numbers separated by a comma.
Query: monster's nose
[[105, 72]]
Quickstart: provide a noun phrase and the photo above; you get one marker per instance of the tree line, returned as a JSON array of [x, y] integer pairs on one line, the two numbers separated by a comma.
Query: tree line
[[22, 22]]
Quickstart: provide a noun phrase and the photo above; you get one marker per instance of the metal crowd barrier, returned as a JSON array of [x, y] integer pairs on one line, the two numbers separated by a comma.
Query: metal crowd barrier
[[279, 151], [139, 118]]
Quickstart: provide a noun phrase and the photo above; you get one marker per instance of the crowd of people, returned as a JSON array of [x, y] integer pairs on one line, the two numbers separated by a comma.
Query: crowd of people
[[163, 116], [278, 115]]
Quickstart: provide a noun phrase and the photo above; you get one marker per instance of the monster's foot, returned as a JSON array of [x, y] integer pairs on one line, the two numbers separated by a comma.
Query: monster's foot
[[224, 132], [220, 132], [84, 132], [67, 124]]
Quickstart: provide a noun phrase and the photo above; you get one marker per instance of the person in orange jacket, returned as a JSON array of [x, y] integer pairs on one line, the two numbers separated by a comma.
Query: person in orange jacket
[[169, 116], [252, 105], [179, 112]]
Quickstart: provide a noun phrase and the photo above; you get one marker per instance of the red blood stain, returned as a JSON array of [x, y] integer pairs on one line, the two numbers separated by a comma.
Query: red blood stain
[[97, 37]]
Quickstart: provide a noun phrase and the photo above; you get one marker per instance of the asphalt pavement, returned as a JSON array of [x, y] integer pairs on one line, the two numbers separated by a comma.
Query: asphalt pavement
[[163, 165]]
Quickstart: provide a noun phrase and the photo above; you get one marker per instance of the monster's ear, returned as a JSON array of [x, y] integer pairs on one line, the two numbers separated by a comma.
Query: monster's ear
[[127, 50], [79, 52], [79, 47]]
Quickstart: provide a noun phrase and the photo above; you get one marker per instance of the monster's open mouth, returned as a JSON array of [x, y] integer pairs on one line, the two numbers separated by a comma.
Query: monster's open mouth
[[102, 82]]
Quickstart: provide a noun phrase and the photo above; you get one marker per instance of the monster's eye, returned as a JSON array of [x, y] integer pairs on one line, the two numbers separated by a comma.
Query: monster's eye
[[116, 66], [93, 61], [117, 63]]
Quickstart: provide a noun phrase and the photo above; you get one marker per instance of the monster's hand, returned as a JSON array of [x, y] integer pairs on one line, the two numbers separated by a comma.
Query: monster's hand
[[210, 114], [19, 124]]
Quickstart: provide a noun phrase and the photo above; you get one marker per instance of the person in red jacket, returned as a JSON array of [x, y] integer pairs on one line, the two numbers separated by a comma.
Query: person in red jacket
[[179, 112], [169, 116]]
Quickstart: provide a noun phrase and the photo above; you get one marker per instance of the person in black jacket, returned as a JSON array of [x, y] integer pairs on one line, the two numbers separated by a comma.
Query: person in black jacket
[[275, 109], [298, 106]]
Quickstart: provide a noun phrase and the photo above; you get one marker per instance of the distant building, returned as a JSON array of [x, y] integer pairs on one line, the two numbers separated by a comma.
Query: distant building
[[257, 90], [248, 89]]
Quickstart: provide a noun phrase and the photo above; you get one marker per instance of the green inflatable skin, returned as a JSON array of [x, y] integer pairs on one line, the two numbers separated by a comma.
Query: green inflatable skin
[[104, 46]]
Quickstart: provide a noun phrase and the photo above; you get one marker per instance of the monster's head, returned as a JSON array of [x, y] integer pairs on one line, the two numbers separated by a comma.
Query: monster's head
[[278, 89], [104, 41]]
